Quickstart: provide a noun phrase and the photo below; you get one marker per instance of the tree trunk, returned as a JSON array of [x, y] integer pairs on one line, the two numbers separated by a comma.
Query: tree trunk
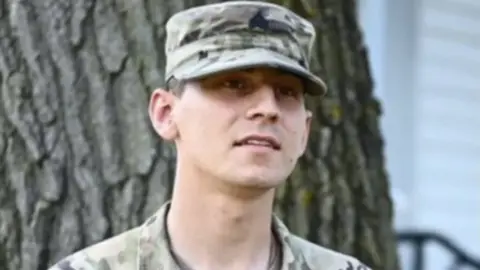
[[79, 161]]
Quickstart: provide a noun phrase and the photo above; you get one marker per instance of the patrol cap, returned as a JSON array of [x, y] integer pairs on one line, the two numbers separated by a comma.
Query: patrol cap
[[205, 40]]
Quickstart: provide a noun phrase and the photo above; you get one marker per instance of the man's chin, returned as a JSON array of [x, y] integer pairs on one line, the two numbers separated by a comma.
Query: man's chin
[[258, 181], [250, 189]]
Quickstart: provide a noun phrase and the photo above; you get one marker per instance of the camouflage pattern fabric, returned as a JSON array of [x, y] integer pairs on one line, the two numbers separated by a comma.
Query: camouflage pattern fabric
[[241, 34], [147, 248]]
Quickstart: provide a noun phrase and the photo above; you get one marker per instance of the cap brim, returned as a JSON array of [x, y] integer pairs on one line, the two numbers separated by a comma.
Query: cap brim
[[217, 62]]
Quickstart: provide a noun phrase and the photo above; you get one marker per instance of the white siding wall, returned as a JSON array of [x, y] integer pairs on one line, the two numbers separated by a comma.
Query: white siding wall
[[447, 110], [426, 62]]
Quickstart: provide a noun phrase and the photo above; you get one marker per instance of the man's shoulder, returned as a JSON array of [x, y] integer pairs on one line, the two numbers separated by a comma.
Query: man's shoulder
[[318, 257], [118, 252]]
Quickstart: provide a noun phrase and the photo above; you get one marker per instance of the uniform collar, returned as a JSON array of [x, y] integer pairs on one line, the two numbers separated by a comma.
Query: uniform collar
[[154, 248]]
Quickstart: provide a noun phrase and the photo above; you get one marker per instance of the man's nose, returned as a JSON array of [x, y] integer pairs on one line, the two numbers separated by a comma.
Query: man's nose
[[264, 105]]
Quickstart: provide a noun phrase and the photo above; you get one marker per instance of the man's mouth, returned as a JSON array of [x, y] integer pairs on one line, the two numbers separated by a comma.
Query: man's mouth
[[259, 140]]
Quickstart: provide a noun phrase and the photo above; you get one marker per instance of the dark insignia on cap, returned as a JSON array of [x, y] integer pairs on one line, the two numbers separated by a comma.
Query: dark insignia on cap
[[259, 21], [65, 265], [350, 266]]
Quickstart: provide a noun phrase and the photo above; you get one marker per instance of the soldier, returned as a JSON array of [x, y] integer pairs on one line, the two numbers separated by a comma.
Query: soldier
[[237, 74]]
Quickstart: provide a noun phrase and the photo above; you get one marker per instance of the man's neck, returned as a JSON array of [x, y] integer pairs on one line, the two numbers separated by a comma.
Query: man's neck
[[211, 230]]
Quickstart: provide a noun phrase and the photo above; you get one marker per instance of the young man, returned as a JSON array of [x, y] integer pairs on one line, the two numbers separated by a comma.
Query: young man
[[237, 75]]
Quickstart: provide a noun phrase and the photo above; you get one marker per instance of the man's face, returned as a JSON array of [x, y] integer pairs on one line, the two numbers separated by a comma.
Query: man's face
[[246, 127]]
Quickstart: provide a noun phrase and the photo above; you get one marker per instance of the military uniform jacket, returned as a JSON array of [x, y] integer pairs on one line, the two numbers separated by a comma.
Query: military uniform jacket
[[147, 248]]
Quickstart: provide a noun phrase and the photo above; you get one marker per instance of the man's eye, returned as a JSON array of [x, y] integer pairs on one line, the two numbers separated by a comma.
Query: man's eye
[[235, 84], [287, 91]]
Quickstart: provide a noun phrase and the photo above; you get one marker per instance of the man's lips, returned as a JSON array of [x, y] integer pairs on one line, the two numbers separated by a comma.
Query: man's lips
[[259, 140]]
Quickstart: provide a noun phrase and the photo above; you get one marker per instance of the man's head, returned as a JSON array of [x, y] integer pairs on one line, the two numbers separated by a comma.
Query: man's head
[[238, 73]]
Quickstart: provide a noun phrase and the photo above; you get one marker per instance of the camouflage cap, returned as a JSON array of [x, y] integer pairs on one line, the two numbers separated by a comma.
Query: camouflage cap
[[204, 40]]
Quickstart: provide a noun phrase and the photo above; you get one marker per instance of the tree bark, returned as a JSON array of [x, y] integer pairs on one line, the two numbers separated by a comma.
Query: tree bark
[[80, 163]]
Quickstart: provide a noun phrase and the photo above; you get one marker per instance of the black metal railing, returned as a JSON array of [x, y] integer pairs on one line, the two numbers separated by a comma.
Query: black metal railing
[[420, 239]]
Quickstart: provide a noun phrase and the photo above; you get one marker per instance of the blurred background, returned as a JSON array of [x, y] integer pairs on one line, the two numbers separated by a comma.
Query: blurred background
[[425, 58]]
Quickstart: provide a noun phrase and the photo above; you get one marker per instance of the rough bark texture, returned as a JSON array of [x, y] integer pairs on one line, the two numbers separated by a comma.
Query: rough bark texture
[[80, 163]]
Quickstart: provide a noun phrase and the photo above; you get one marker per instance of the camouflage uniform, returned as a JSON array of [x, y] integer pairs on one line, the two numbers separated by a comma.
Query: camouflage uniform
[[147, 248], [202, 41]]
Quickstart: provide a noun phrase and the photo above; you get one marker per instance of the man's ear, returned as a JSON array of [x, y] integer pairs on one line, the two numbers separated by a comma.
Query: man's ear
[[306, 134], [160, 110]]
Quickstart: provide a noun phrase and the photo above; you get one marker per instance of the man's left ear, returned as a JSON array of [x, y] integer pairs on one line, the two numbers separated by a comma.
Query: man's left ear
[[306, 133]]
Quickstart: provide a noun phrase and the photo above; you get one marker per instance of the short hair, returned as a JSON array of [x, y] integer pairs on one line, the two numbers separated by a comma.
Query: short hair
[[175, 86]]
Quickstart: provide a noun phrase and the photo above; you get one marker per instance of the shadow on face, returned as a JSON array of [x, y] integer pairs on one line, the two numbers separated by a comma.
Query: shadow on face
[[245, 126]]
